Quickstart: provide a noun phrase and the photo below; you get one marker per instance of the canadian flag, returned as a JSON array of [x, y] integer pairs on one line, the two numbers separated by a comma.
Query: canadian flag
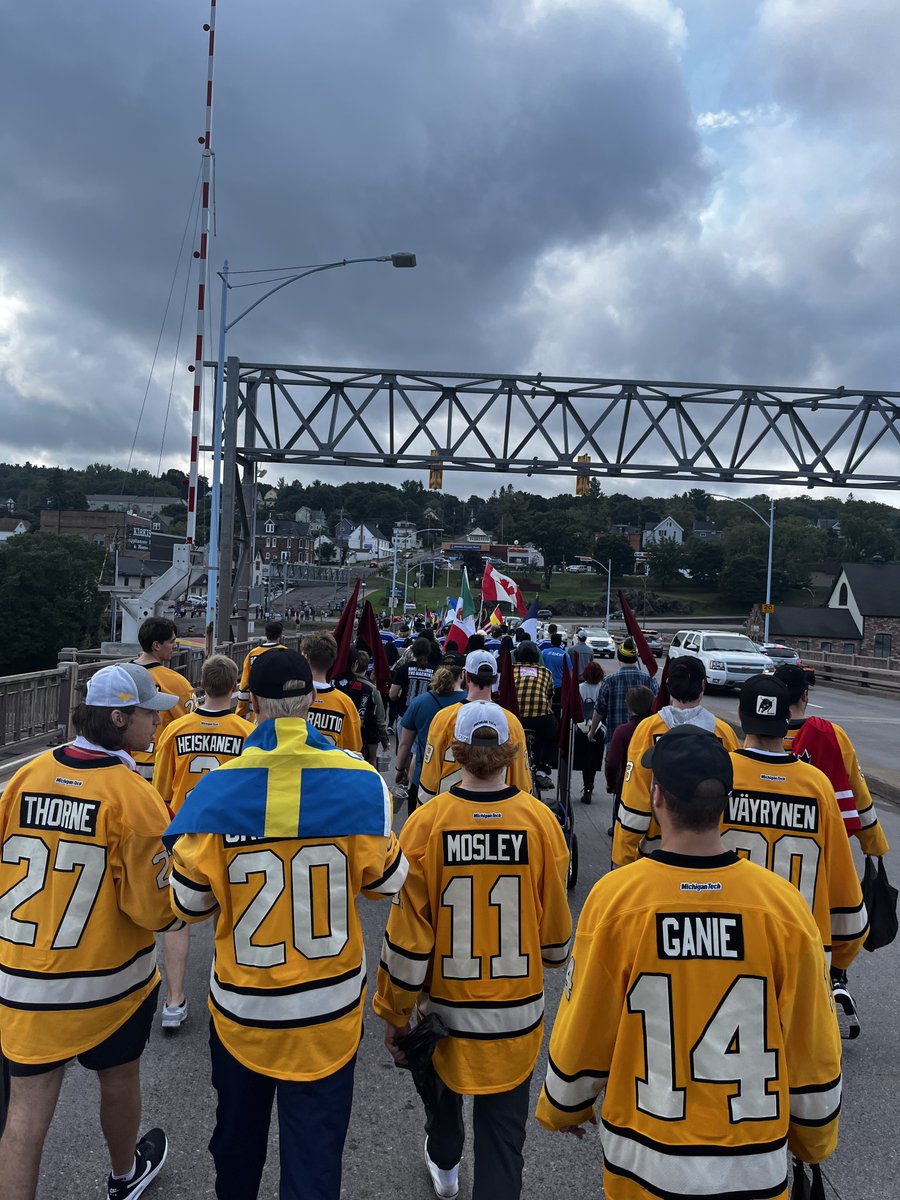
[[496, 588]]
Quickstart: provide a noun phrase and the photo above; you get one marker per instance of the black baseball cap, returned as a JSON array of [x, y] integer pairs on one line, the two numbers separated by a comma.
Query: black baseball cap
[[453, 658], [764, 706], [687, 756], [688, 667], [272, 670], [795, 679]]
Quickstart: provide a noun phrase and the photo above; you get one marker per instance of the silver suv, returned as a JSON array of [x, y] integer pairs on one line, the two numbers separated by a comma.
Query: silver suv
[[730, 658]]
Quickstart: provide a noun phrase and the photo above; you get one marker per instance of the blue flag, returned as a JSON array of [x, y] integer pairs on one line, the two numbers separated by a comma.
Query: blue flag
[[289, 782]]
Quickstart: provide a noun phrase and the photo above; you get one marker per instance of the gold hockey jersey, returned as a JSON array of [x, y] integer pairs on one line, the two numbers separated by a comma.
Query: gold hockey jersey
[[243, 693], [698, 998], [636, 831], [288, 983], [83, 887], [871, 836], [782, 814], [336, 718], [170, 681], [482, 911], [439, 770], [191, 746]]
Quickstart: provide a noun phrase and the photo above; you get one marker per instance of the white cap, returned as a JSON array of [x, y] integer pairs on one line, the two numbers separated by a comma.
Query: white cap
[[126, 685], [478, 659], [582, 633], [479, 714]]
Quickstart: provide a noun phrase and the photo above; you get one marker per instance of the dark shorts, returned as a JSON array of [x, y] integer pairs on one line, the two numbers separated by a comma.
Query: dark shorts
[[123, 1046]]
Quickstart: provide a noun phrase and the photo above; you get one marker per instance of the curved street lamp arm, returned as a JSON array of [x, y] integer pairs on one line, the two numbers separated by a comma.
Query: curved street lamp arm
[[344, 262]]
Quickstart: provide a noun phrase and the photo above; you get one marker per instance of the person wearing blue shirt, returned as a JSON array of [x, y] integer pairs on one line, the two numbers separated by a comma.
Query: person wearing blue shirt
[[444, 689]]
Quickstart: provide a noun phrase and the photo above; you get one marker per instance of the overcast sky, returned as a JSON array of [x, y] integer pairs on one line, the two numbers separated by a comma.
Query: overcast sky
[[704, 191]]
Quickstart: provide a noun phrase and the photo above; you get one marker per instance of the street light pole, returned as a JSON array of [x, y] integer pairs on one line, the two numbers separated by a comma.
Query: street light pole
[[771, 525], [398, 259], [608, 570]]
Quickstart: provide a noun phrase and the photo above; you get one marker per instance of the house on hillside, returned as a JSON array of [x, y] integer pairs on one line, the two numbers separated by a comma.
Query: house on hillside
[[9, 504], [667, 530], [284, 541], [367, 541], [10, 526], [404, 534], [342, 531], [703, 530], [313, 517], [862, 615]]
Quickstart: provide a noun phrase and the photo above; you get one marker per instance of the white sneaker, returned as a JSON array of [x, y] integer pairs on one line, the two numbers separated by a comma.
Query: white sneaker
[[445, 1183], [174, 1015]]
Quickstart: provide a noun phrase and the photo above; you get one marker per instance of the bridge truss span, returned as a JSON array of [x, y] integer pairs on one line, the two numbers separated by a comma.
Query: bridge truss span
[[536, 424]]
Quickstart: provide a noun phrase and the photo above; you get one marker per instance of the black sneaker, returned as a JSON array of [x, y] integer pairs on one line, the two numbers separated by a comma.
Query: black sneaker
[[149, 1156], [845, 1006]]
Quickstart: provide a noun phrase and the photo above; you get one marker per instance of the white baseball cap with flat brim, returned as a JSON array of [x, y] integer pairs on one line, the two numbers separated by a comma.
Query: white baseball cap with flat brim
[[480, 660], [477, 715], [126, 685]]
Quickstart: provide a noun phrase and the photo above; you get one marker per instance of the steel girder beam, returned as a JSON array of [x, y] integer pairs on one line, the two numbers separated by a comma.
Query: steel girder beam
[[534, 424]]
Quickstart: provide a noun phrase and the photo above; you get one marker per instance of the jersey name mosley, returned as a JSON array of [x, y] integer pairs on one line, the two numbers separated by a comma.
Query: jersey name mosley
[[58, 812], [772, 811], [699, 935], [489, 846], [209, 743]]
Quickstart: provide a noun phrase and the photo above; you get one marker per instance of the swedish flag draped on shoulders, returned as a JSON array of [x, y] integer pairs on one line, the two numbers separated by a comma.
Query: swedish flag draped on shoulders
[[288, 982], [289, 782]]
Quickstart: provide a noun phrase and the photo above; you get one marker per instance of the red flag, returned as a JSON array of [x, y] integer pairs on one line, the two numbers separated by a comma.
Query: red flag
[[506, 688], [496, 587], [368, 632], [631, 624], [343, 632], [570, 708]]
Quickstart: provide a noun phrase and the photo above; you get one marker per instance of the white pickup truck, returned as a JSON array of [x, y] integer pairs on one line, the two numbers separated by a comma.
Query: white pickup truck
[[730, 658]]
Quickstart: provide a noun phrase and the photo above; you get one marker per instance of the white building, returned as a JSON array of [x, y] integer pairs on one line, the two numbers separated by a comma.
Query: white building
[[668, 530], [367, 542], [10, 526], [404, 534]]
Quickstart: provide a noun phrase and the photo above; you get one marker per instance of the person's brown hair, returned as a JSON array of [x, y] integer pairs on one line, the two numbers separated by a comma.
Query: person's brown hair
[[320, 649], [639, 701], [96, 724], [703, 811], [484, 758], [218, 676], [155, 629], [593, 673], [421, 649]]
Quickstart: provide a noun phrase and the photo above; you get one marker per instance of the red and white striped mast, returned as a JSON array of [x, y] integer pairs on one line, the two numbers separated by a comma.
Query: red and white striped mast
[[201, 253]]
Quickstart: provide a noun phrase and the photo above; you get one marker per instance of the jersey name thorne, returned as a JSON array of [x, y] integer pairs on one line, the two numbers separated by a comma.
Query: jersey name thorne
[[58, 812], [209, 743], [699, 935], [484, 846], [771, 811]]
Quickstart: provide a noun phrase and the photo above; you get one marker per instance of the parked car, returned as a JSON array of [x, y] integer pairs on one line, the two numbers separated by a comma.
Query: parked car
[[602, 643], [730, 658], [194, 599], [786, 655], [544, 614], [654, 641]]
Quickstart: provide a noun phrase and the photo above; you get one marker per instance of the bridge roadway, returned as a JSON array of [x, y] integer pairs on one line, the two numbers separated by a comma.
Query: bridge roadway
[[383, 1158]]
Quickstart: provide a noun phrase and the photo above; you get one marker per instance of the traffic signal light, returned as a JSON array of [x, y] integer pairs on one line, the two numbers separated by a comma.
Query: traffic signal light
[[435, 475], [583, 480]]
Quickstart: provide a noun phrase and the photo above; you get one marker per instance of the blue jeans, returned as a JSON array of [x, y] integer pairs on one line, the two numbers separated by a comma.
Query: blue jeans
[[312, 1118]]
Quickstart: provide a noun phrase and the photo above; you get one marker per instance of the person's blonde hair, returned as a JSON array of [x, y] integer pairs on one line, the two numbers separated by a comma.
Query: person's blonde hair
[[271, 708], [445, 681], [218, 676], [483, 758]]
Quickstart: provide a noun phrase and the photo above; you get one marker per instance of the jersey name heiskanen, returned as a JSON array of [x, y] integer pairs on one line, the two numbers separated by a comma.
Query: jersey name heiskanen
[[193, 745]]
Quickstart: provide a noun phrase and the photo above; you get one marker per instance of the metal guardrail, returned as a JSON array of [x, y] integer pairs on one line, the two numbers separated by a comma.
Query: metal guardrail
[[39, 705], [857, 670]]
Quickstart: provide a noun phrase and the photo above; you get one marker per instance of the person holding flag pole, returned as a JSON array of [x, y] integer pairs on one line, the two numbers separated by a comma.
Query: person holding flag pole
[[463, 624]]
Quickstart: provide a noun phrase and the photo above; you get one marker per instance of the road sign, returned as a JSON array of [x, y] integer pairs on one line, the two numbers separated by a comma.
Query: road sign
[[767, 608], [584, 558]]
